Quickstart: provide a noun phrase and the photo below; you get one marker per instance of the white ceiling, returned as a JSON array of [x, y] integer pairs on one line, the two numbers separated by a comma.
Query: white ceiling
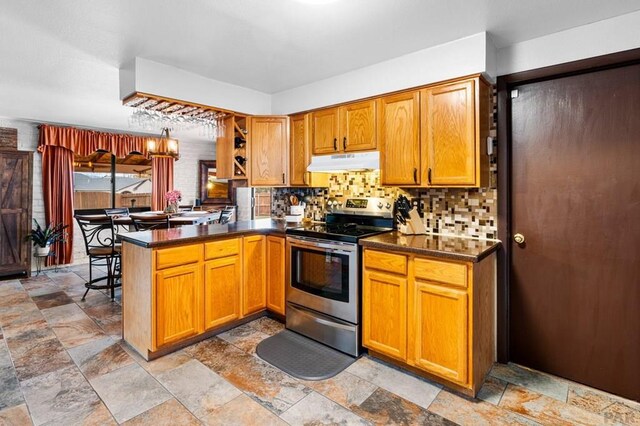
[[71, 49]]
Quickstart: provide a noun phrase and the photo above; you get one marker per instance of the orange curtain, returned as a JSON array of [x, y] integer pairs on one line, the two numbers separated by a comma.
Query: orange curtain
[[85, 142], [57, 188], [161, 182], [58, 146]]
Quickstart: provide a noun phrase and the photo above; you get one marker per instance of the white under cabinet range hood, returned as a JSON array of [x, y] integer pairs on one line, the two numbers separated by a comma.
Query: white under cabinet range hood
[[345, 162]]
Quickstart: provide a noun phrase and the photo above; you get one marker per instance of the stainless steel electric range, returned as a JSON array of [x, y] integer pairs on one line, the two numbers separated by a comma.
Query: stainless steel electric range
[[323, 263]]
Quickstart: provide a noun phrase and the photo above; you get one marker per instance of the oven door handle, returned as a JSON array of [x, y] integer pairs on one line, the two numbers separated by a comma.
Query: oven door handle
[[320, 247]]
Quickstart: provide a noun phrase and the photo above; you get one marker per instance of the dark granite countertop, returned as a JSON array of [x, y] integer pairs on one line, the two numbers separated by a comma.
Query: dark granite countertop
[[447, 247], [200, 233]]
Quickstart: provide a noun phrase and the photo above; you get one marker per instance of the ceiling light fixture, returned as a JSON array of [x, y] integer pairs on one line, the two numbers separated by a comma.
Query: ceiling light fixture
[[171, 148]]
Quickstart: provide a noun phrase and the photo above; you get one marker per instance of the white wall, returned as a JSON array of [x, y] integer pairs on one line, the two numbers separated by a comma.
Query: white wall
[[596, 39], [143, 75], [457, 58]]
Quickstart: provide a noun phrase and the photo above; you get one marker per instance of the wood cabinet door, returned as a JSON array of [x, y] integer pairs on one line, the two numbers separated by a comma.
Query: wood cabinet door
[[438, 330], [299, 150], [254, 287], [178, 303], [268, 151], [275, 274], [384, 313], [223, 280], [225, 150], [15, 211], [325, 131], [449, 133], [399, 139], [358, 126]]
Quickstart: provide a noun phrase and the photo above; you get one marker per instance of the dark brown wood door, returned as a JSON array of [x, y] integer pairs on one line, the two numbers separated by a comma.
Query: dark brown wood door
[[575, 284], [15, 211]]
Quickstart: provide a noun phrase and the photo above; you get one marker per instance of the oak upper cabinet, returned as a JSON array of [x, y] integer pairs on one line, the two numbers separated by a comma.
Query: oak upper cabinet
[[325, 128], [384, 304], [399, 139], [438, 333], [455, 126], [223, 281], [275, 274], [349, 128], [178, 303], [268, 147], [300, 154], [254, 286], [358, 126]]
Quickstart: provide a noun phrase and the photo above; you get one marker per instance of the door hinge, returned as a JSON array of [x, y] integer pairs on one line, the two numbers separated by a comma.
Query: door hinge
[[514, 93]]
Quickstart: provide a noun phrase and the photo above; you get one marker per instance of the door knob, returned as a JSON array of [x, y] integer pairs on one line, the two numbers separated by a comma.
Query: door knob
[[518, 238]]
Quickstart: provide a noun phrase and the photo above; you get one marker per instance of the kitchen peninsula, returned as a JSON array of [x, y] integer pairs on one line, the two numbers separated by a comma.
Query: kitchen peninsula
[[181, 285]]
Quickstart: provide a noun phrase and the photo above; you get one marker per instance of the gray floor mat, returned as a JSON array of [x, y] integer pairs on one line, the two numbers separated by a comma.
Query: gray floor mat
[[301, 357]]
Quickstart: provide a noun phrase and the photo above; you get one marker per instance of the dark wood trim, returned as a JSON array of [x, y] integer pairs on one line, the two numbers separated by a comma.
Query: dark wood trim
[[230, 200], [504, 86]]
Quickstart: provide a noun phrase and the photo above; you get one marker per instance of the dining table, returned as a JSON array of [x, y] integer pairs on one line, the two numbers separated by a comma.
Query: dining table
[[175, 219]]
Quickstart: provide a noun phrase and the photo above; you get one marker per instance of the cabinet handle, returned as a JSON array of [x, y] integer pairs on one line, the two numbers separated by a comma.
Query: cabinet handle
[[335, 144], [344, 143], [429, 174], [415, 175], [282, 177], [304, 178]]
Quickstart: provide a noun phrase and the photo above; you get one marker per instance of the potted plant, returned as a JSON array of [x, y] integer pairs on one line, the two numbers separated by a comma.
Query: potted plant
[[172, 197], [43, 238]]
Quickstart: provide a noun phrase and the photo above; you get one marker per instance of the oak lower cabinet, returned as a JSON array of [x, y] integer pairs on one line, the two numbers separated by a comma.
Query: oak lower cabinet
[[387, 334], [438, 323], [223, 282], [433, 316], [178, 308], [275, 274], [254, 286]]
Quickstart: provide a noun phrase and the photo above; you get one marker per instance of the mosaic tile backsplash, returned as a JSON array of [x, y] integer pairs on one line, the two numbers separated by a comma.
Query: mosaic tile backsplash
[[452, 211]]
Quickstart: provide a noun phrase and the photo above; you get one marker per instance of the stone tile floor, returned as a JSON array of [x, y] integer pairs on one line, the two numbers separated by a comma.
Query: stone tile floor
[[62, 362]]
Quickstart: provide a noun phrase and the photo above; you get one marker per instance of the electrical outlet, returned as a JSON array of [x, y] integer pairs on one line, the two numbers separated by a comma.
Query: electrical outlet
[[419, 203]]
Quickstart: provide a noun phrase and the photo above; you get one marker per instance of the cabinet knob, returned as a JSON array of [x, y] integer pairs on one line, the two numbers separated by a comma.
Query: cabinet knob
[[519, 238]]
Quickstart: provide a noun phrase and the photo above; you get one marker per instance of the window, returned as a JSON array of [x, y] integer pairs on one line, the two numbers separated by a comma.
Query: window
[[92, 182]]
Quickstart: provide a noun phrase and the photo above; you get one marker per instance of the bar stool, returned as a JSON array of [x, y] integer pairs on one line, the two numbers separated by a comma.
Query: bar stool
[[100, 245], [145, 222], [225, 216]]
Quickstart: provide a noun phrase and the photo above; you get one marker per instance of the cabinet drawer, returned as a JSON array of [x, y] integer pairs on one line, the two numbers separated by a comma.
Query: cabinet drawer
[[444, 272], [222, 248], [177, 256], [387, 262]]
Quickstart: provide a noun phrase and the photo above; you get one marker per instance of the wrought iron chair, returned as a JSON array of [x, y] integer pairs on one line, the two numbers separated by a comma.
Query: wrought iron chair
[[100, 245], [145, 222], [215, 217], [122, 211]]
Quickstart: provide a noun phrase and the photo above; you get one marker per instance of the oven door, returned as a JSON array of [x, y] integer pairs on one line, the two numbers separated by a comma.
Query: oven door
[[323, 276]]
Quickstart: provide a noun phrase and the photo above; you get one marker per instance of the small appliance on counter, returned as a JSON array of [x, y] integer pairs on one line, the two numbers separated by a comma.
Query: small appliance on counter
[[296, 210], [407, 217]]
